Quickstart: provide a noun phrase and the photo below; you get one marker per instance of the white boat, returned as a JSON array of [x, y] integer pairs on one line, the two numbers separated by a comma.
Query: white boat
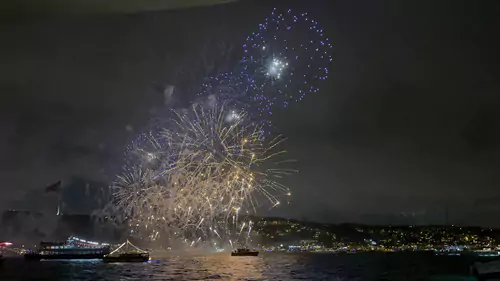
[[73, 248], [127, 252]]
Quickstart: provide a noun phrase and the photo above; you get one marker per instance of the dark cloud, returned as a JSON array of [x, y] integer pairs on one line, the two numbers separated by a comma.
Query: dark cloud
[[33, 9], [407, 127]]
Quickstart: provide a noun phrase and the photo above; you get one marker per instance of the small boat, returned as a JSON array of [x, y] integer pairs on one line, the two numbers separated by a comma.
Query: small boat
[[244, 252], [448, 252], [127, 252], [487, 253]]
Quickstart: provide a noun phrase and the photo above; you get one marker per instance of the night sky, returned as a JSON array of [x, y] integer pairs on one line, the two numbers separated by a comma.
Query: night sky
[[407, 127]]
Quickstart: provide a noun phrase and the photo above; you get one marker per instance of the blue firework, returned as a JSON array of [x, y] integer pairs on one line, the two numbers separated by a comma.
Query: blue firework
[[286, 59]]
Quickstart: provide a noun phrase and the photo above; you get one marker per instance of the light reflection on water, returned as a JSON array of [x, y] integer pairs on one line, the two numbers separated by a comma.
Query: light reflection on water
[[267, 266], [217, 266]]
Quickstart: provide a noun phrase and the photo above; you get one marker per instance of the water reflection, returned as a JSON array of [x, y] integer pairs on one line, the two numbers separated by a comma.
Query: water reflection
[[220, 266], [267, 266], [217, 266]]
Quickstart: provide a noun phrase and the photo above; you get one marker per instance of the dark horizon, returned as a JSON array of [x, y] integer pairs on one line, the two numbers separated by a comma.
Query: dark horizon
[[267, 218]]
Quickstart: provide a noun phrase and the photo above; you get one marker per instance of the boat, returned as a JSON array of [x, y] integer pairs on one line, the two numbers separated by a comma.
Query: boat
[[3, 248], [487, 253], [244, 252], [127, 252], [73, 248], [449, 251], [486, 270], [445, 253]]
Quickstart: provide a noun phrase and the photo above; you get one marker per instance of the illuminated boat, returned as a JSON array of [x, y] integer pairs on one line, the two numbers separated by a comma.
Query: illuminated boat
[[487, 253], [244, 252], [73, 248], [127, 252], [450, 251], [3, 246]]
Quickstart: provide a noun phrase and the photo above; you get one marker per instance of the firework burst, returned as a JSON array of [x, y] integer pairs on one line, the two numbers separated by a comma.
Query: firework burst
[[199, 177], [289, 56], [225, 154], [200, 172], [286, 59]]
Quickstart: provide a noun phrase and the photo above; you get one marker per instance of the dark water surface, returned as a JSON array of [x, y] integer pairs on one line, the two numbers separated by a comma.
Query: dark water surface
[[268, 266]]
